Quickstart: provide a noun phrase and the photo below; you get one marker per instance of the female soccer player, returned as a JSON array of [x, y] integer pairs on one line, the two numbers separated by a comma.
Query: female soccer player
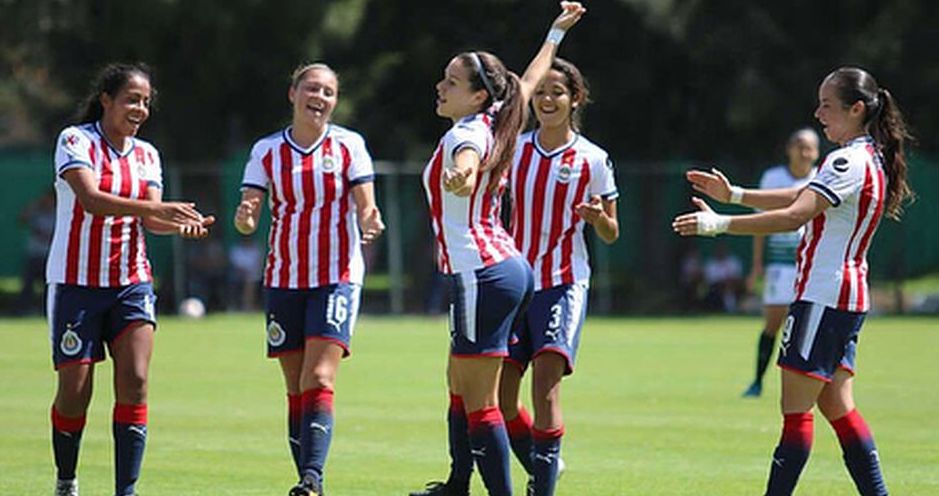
[[780, 258], [318, 178], [488, 279], [108, 189], [559, 181], [856, 184]]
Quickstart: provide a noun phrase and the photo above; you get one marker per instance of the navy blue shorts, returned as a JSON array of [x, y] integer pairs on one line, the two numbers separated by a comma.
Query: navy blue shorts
[[295, 315], [552, 323], [83, 319], [818, 340], [484, 304]]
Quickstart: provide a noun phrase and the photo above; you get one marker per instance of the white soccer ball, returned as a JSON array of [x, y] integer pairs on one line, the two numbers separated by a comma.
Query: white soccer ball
[[192, 308]]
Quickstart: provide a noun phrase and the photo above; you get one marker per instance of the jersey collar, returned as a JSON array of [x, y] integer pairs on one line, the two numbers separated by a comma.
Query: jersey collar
[[305, 151], [556, 151], [119, 153]]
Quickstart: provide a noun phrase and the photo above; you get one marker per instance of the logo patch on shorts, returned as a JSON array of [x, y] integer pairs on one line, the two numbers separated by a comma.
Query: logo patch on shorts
[[275, 333], [71, 343]]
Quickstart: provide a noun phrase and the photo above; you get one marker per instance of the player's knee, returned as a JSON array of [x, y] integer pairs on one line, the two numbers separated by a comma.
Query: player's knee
[[132, 387], [321, 377]]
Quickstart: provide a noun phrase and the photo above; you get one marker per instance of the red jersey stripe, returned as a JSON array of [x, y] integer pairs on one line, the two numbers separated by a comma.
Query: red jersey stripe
[[289, 204], [345, 236], [303, 228]]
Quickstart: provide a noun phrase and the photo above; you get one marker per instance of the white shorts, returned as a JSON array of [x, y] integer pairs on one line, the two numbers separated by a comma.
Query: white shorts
[[779, 284]]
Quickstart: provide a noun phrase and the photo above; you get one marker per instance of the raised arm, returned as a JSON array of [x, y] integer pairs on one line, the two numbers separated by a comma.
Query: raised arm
[[571, 12]]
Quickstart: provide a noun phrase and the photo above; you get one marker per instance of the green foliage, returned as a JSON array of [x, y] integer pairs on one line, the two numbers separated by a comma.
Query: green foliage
[[652, 409]]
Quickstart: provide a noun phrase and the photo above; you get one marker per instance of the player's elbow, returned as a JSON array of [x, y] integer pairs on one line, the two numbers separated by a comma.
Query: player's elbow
[[93, 204], [610, 235], [792, 220]]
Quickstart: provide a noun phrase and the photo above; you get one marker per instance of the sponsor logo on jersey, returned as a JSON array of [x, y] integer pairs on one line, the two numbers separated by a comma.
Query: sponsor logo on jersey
[[275, 333], [71, 343], [840, 164]]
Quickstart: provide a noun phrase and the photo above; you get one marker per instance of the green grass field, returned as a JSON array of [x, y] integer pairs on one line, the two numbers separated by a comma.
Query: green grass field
[[654, 409]]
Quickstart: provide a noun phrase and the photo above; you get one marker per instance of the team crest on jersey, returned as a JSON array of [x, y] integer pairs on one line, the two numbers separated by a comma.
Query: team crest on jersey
[[275, 333], [329, 164], [564, 173], [71, 343]]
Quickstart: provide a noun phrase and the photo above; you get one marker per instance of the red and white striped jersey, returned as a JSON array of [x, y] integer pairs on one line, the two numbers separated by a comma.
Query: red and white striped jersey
[[832, 257], [468, 229], [93, 250], [314, 236], [546, 186]]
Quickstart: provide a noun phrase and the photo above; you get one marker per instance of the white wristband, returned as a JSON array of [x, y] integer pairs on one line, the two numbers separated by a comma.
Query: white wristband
[[736, 195], [555, 35], [711, 224]]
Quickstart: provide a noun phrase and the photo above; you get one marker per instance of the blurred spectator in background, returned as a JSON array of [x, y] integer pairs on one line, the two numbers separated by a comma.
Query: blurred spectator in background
[[208, 272], [39, 218], [692, 279], [723, 274], [247, 262]]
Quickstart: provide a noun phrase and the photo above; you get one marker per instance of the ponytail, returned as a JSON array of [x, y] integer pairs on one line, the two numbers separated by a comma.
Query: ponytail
[[509, 120], [885, 123], [890, 131]]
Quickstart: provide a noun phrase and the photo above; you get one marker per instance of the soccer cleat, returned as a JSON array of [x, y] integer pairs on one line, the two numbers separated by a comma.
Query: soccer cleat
[[754, 391], [307, 487], [438, 488], [66, 487]]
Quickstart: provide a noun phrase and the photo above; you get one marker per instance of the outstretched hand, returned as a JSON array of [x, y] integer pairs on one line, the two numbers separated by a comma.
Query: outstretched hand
[[713, 184], [196, 230], [177, 212], [571, 12], [704, 222]]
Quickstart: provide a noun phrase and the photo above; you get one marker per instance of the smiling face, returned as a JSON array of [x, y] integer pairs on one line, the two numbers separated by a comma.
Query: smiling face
[[456, 97], [124, 112], [553, 101], [314, 96], [842, 121]]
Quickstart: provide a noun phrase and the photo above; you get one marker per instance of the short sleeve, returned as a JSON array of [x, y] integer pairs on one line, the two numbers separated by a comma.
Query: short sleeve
[[603, 178], [361, 169], [472, 134], [73, 149], [153, 172], [255, 176], [838, 178]]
